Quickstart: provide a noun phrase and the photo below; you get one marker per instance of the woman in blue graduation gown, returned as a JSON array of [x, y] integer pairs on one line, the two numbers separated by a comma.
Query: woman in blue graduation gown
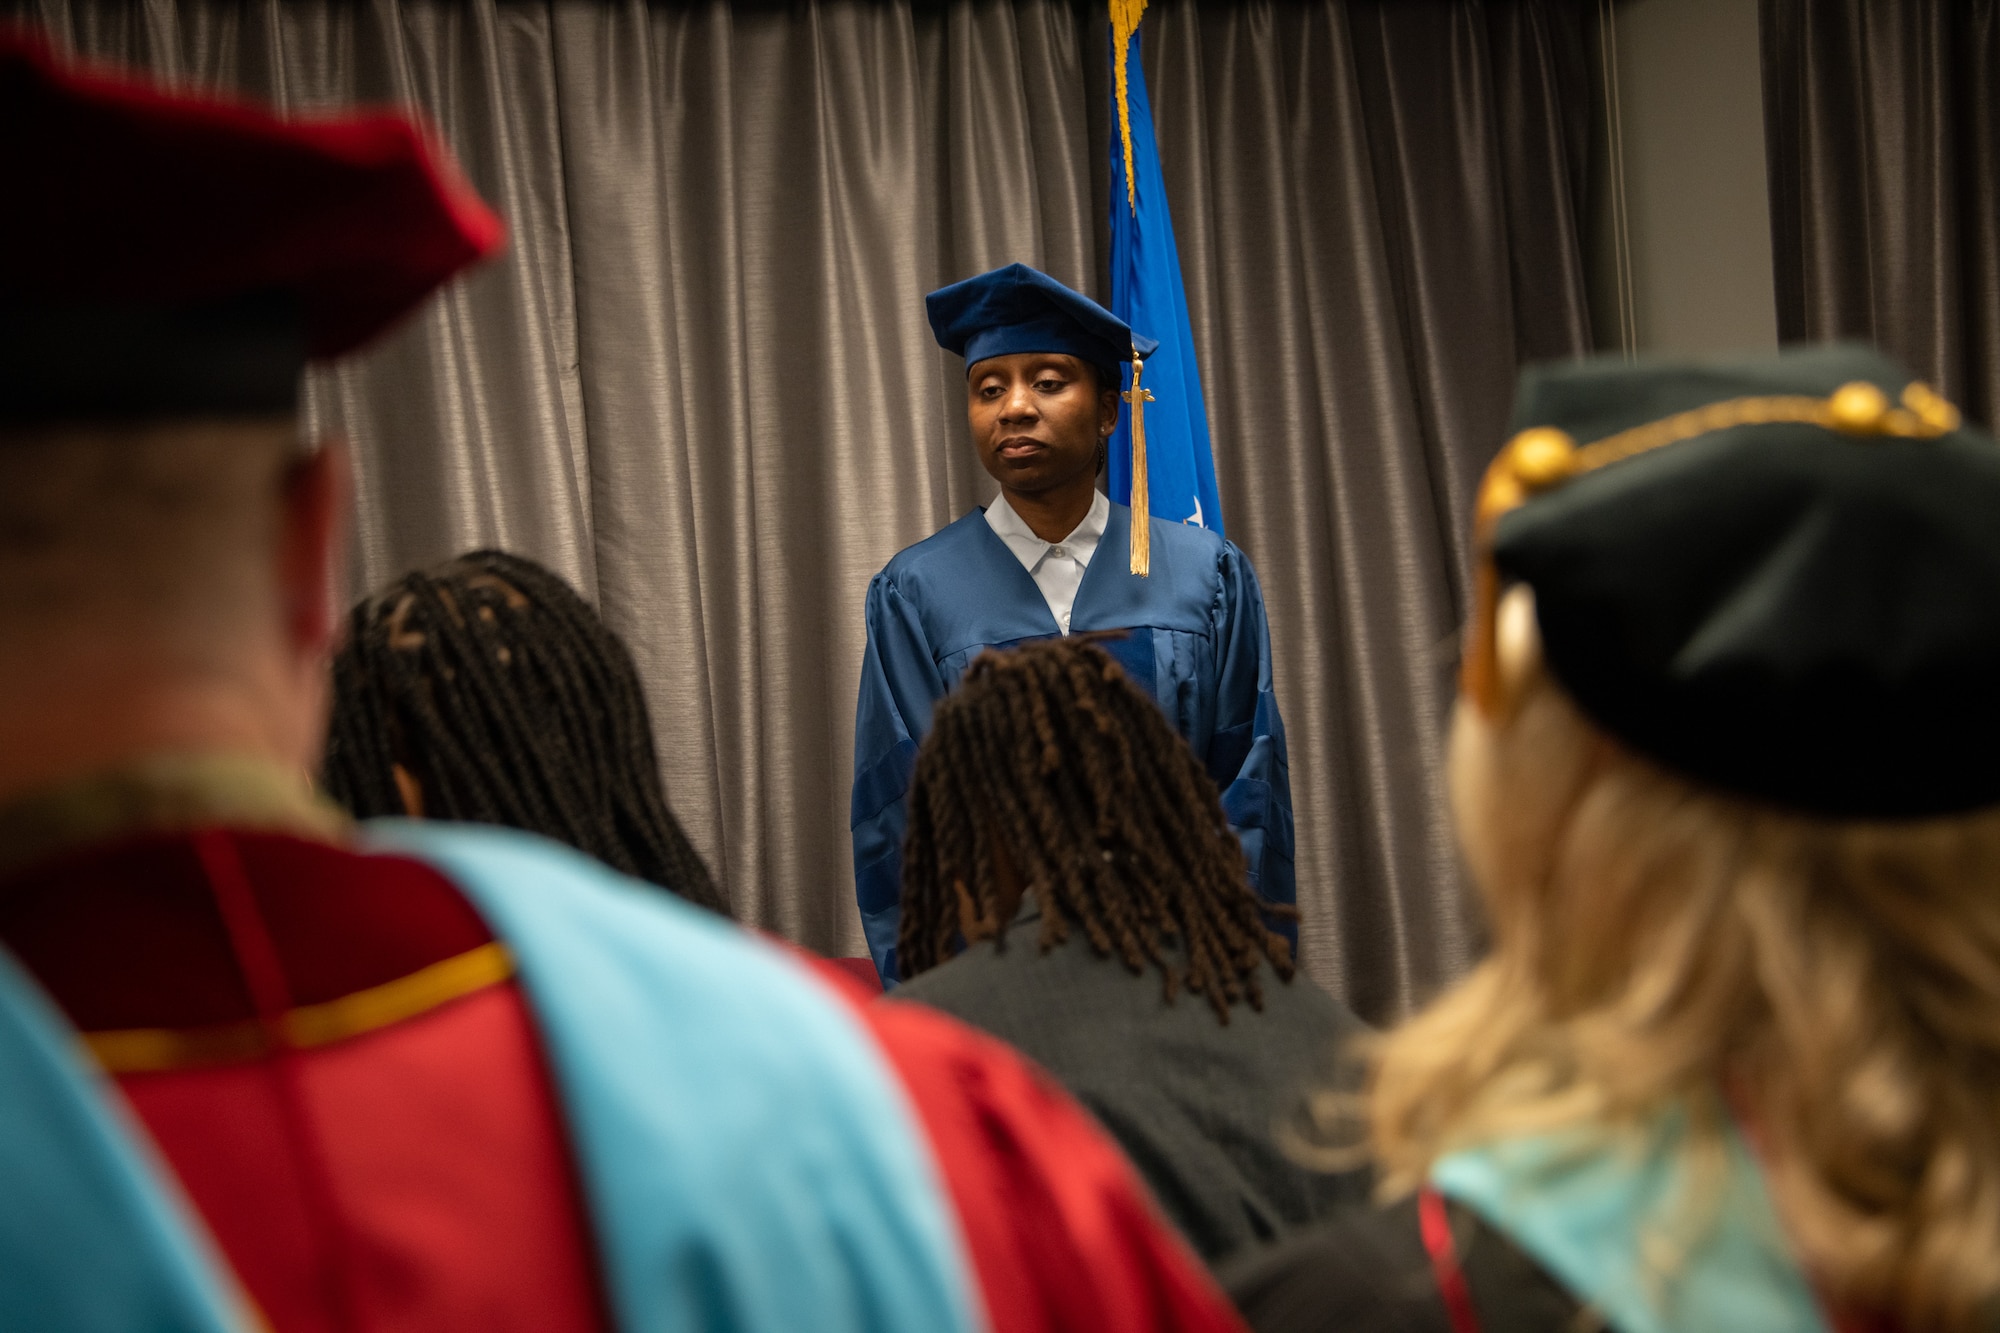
[[1048, 557]]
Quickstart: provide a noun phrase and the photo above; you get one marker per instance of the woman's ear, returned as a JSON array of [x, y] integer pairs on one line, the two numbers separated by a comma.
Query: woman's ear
[[1517, 646], [1516, 768]]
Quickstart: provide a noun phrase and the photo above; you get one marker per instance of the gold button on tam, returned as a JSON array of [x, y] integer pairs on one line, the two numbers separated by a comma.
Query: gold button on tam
[[1858, 409], [1541, 457], [1929, 407]]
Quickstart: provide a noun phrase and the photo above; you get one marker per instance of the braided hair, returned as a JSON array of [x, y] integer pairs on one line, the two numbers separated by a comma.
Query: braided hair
[[498, 687], [1049, 771]]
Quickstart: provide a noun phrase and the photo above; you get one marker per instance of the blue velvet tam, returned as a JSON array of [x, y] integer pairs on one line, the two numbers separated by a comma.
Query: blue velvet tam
[[1019, 309]]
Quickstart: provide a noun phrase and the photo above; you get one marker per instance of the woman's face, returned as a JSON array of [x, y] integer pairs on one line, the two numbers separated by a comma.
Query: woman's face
[[1038, 419]]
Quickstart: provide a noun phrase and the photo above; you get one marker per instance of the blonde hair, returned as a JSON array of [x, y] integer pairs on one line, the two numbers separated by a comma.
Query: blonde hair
[[1659, 943]]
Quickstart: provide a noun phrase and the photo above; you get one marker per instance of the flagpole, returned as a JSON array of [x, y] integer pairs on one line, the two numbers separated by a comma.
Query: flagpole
[[1170, 471]]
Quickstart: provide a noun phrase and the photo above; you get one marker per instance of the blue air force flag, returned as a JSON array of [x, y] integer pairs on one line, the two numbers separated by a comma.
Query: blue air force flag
[[1146, 292]]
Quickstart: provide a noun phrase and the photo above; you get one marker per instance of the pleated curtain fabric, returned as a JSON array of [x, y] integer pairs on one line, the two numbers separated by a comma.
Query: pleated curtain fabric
[[1378, 210], [1882, 128], [700, 385]]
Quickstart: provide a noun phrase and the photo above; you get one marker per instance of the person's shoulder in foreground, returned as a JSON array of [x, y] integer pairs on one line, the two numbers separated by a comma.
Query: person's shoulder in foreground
[[1369, 1270], [1062, 1231], [1722, 772], [1199, 1107], [91, 1239], [1072, 886]]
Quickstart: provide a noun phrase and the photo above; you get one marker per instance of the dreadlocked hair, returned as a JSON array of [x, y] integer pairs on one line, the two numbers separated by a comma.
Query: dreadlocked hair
[[1049, 771], [511, 703]]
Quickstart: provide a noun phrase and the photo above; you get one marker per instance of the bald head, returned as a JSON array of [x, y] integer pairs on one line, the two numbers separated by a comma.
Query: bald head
[[162, 586]]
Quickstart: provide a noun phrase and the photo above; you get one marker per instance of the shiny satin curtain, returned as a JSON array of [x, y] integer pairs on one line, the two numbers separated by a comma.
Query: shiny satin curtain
[[1377, 207], [1883, 136], [700, 384]]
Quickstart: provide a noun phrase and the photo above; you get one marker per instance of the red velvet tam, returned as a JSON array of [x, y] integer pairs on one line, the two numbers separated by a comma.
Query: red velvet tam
[[167, 253]]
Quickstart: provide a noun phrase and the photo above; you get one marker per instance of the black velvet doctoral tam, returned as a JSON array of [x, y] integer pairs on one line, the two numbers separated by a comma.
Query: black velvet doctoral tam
[[1803, 611]]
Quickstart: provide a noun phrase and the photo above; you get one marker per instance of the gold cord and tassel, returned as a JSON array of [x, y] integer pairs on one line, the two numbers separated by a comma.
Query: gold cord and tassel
[[1125, 16], [1142, 525]]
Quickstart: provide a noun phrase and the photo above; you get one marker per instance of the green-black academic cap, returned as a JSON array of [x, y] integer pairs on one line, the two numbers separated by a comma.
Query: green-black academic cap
[[1020, 309], [1779, 577]]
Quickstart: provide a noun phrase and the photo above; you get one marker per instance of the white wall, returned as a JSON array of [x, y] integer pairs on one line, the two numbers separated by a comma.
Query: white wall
[[1690, 97]]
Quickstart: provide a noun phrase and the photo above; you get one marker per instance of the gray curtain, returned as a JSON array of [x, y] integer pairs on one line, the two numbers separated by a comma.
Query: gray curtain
[[700, 384], [1377, 207], [1882, 128]]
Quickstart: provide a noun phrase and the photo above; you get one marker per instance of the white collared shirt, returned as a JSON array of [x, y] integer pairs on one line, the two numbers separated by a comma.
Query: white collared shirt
[[1056, 567]]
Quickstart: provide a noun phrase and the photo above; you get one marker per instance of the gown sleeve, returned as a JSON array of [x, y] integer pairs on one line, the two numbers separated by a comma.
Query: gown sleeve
[[1246, 756], [900, 684], [90, 1238]]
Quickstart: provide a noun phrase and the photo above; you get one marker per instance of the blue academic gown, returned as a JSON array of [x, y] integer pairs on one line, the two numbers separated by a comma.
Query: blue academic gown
[[1196, 638], [92, 1240]]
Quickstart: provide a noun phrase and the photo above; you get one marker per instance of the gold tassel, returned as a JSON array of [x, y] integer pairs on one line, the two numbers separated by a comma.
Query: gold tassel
[[1142, 526]]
